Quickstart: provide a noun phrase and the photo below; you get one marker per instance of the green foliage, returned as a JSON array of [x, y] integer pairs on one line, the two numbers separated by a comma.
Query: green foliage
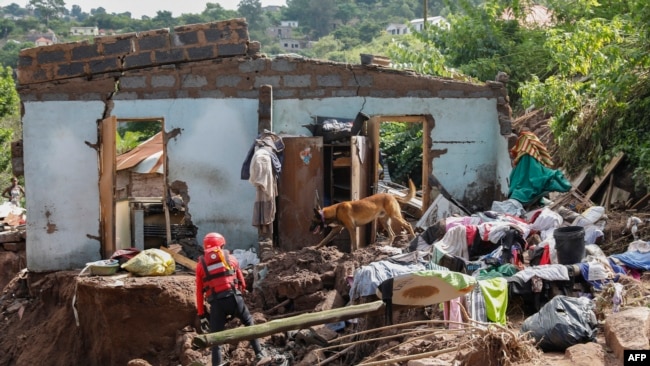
[[8, 95], [131, 134], [47, 9], [600, 92], [401, 145]]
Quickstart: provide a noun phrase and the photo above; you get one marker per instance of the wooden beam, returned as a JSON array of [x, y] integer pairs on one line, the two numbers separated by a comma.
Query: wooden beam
[[282, 325], [181, 259], [601, 179]]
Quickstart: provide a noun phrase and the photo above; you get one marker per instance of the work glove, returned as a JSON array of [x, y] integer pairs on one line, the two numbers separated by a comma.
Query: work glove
[[205, 323]]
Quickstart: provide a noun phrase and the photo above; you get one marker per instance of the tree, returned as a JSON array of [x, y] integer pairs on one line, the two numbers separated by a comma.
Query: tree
[[251, 10], [47, 9], [599, 91], [8, 95], [75, 11], [9, 119]]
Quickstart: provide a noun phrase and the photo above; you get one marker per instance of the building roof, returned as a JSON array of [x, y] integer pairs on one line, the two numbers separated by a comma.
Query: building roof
[[145, 158]]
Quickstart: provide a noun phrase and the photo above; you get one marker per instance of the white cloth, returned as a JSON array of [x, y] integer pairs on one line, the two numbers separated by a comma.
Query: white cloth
[[549, 272], [454, 242], [547, 219]]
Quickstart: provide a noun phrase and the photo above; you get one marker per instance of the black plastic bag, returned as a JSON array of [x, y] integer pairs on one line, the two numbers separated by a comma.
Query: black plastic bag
[[562, 322]]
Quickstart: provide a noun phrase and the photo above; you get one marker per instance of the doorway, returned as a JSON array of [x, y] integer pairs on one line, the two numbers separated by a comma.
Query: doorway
[[133, 183], [404, 142]]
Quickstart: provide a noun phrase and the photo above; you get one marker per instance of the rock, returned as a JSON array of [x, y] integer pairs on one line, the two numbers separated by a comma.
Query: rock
[[587, 354], [332, 300], [628, 329]]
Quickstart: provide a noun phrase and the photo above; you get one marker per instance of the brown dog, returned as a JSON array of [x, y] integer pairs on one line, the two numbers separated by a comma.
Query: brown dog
[[352, 214]]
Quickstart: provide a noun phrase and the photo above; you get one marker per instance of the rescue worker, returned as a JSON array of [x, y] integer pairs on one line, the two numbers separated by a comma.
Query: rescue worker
[[219, 280]]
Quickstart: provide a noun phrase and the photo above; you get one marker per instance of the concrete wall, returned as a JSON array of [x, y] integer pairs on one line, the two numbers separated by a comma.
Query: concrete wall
[[205, 88]]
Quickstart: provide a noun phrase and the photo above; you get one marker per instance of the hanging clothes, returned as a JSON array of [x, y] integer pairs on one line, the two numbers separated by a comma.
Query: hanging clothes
[[262, 177]]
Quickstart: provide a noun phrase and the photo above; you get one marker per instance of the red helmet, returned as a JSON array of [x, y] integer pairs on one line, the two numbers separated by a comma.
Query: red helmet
[[212, 240]]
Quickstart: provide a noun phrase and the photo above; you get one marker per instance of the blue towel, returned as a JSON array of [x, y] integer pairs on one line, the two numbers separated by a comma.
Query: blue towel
[[636, 260]]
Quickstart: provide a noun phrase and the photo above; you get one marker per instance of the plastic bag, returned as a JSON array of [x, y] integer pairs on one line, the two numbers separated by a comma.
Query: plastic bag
[[562, 322], [151, 262]]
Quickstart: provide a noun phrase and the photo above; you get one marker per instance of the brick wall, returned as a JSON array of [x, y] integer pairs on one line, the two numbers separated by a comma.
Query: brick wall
[[132, 51], [216, 60]]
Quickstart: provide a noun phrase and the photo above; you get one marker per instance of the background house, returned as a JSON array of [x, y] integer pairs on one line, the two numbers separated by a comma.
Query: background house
[[213, 93]]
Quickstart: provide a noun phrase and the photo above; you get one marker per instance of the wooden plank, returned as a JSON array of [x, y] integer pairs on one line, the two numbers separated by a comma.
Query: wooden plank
[[608, 194], [601, 179], [642, 201], [181, 259], [282, 325]]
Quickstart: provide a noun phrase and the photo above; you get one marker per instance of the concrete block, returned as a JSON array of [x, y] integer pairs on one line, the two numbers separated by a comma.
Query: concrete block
[[51, 57], [173, 55], [297, 81], [163, 81], [186, 38], [201, 53], [153, 42], [138, 60], [228, 81], [133, 82], [283, 65], [361, 80], [71, 69], [103, 65], [253, 66], [194, 81], [126, 96], [329, 80], [84, 52], [225, 50], [119, 47], [274, 81], [24, 61]]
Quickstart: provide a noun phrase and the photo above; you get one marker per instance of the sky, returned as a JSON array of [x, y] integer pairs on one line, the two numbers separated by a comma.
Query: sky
[[138, 8]]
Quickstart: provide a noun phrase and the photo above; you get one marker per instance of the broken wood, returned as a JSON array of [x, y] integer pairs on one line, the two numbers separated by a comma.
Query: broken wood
[[642, 201], [598, 182], [608, 194], [286, 324], [181, 259], [276, 307]]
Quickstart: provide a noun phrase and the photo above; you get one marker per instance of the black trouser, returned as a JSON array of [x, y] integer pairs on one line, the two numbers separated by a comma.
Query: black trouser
[[220, 309]]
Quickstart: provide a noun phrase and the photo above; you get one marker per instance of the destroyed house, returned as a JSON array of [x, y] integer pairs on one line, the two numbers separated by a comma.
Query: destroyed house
[[213, 92]]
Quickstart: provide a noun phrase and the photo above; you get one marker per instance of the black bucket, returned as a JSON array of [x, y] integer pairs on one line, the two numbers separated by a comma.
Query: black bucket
[[570, 244]]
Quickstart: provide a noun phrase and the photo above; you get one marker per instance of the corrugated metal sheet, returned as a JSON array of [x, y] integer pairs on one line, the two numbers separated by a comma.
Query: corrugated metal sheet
[[144, 158]]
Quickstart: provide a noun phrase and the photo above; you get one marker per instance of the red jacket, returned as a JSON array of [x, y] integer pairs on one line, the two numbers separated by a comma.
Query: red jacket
[[219, 278]]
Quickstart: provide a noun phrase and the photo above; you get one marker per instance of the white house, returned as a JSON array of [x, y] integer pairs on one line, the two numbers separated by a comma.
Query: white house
[[84, 31], [289, 23], [214, 94], [417, 24]]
